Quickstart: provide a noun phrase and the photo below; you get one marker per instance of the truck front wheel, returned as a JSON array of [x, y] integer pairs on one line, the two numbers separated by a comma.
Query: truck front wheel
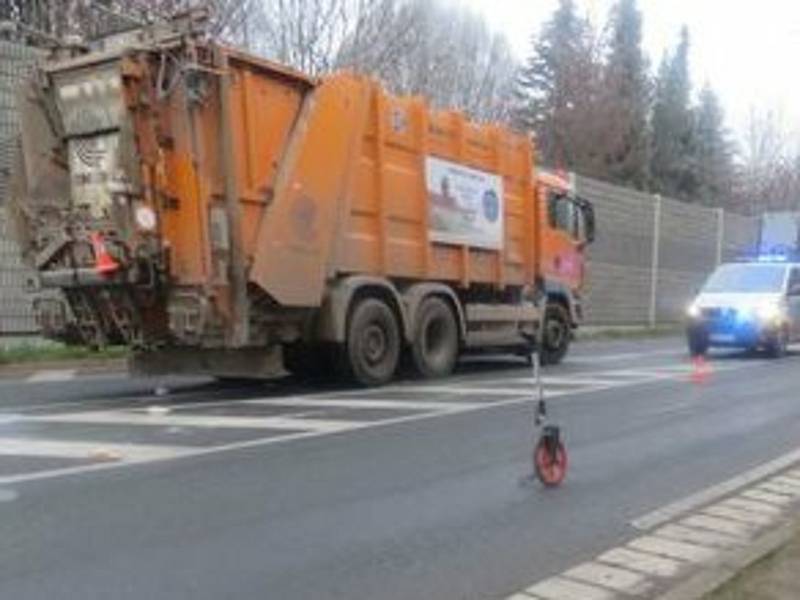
[[555, 342], [373, 343], [435, 347]]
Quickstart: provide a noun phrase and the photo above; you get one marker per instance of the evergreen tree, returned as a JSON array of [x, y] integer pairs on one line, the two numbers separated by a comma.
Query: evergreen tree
[[671, 158], [713, 159], [559, 89], [627, 83]]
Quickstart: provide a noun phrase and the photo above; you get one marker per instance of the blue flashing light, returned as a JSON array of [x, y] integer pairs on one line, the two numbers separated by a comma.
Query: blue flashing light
[[772, 258]]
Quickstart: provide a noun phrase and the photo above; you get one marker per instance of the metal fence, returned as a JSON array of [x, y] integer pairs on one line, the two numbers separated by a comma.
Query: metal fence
[[651, 253], [16, 315]]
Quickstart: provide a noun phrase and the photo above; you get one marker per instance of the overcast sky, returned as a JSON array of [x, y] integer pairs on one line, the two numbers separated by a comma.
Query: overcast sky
[[749, 50]]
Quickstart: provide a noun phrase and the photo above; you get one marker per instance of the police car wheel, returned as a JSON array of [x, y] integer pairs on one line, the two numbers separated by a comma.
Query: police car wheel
[[778, 345], [698, 343]]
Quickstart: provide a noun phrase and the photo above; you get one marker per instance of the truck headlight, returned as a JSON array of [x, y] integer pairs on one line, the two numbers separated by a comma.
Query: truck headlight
[[145, 218], [693, 311]]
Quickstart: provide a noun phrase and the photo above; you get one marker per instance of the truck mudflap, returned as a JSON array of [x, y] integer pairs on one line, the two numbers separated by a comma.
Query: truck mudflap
[[244, 363]]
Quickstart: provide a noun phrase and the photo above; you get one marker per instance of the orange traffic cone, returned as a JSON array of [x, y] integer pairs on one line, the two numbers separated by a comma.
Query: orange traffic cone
[[701, 370], [104, 263]]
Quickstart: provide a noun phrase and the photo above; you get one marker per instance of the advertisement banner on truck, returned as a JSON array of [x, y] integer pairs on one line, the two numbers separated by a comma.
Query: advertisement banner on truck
[[465, 205]]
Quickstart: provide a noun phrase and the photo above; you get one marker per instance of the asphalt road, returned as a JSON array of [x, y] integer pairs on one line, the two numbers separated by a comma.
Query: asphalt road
[[415, 491]]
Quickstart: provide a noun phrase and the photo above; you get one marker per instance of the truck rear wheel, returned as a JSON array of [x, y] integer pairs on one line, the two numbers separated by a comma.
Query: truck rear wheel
[[435, 348], [372, 349], [555, 342]]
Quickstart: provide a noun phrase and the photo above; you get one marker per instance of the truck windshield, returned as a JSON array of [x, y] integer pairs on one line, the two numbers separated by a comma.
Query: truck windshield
[[744, 279]]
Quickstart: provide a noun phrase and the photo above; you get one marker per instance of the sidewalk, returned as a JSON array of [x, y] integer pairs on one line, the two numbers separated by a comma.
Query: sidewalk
[[775, 577]]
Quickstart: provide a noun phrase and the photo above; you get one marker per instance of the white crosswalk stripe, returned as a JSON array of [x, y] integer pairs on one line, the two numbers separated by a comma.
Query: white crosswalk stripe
[[207, 421], [360, 403], [208, 426], [86, 450], [52, 376]]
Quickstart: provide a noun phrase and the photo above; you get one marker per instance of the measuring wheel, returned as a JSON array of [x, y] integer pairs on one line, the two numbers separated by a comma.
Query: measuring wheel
[[550, 458]]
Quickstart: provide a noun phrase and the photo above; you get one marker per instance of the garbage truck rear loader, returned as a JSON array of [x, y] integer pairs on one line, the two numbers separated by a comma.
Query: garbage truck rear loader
[[223, 214]]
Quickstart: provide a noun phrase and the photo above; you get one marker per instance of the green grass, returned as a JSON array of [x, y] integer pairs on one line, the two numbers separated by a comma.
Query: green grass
[[52, 352]]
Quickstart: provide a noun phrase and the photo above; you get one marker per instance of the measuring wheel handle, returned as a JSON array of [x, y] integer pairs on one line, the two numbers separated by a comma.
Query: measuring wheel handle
[[550, 458]]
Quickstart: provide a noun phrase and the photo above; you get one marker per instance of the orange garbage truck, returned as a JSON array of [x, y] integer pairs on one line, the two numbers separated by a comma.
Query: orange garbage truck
[[222, 214]]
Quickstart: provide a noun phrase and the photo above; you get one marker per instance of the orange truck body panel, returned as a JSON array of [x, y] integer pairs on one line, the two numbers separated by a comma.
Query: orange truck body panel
[[331, 179]]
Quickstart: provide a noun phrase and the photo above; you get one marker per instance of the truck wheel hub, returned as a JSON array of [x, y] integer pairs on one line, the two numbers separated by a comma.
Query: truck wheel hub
[[374, 344]]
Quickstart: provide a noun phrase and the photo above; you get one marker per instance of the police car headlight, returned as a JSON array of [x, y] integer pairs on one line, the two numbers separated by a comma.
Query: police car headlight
[[769, 311], [145, 218], [693, 311]]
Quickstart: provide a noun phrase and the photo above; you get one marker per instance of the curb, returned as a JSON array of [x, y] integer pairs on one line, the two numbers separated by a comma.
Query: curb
[[89, 366], [732, 564]]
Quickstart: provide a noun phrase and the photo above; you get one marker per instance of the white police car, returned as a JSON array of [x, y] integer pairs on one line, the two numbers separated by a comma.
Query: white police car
[[753, 305]]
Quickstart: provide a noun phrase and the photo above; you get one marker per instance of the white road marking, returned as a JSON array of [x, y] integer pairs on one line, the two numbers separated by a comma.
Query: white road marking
[[259, 442], [522, 596], [518, 399], [558, 588], [52, 376], [207, 421], [87, 450], [621, 356], [672, 549], [615, 578], [737, 514], [301, 402], [578, 381], [719, 525], [643, 562], [463, 390], [669, 512], [703, 537]]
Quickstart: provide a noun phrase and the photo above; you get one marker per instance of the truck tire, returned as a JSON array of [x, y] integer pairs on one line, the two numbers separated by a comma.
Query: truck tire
[[434, 350], [372, 349], [557, 334]]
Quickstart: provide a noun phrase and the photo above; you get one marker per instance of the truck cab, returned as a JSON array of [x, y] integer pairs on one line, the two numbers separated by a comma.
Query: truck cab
[[568, 227]]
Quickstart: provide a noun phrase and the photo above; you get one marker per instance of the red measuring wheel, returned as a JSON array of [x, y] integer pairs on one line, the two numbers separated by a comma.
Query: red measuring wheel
[[550, 458]]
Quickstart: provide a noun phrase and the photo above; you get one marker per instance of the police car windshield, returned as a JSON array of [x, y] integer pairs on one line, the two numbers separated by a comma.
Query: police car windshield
[[744, 279]]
